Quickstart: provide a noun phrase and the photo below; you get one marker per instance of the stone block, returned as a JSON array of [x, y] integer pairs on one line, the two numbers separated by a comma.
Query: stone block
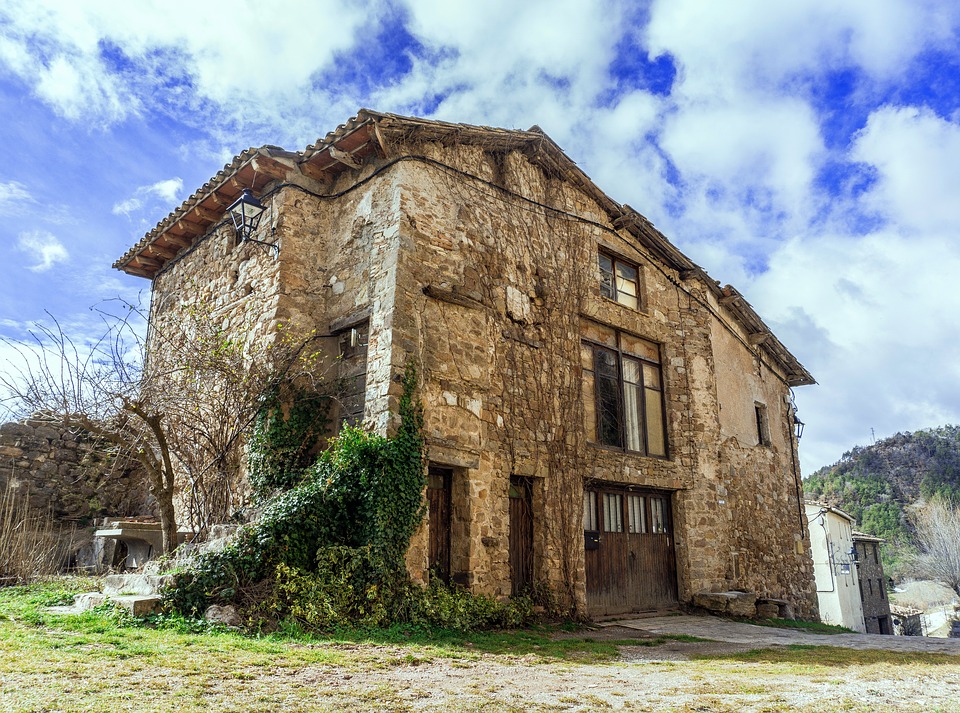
[[135, 584], [716, 602], [742, 604], [138, 605]]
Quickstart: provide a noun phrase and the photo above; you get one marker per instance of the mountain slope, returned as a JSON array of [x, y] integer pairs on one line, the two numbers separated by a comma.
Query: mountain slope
[[876, 484]]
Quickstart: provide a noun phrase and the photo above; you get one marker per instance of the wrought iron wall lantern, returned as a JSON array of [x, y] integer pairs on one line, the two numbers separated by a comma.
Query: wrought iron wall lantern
[[797, 424], [245, 212]]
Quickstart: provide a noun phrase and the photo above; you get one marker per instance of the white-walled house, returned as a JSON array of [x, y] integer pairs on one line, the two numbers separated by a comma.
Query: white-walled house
[[834, 566]]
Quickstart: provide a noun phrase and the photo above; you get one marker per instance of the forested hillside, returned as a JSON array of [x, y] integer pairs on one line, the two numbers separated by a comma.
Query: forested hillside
[[876, 483]]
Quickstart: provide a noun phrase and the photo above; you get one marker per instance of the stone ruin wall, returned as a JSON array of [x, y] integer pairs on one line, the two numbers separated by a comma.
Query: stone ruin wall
[[64, 474]]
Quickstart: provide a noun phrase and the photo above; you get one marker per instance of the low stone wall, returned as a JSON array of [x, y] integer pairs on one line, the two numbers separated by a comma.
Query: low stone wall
[[65, 474]]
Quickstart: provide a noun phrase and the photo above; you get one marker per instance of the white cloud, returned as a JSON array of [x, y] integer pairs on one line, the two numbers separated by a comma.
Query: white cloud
[[168, 191], [14, 197], [103, 59], [44, 248], [915, 155]]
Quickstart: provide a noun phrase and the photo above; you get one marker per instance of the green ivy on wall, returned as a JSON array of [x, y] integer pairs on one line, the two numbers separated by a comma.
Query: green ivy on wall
[[283, 440]]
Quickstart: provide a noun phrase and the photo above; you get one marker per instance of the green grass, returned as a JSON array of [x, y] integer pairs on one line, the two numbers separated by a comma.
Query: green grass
[[814, 627], [834, 656]]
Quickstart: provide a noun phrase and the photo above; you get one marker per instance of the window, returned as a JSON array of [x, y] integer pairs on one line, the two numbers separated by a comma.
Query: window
[[612, 512], [623, 391], [658, 517], [636, 515], [876, 557], [763, 427], [880, 587], [590, 511], [619, 280]]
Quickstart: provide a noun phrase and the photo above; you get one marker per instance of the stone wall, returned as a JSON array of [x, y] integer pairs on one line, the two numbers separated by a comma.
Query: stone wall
[[65, 474]]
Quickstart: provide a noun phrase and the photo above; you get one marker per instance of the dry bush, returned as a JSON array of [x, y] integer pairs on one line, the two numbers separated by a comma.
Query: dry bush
[[31, 544]]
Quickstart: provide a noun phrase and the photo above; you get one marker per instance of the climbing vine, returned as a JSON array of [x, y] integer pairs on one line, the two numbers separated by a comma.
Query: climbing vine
[[285, 436]]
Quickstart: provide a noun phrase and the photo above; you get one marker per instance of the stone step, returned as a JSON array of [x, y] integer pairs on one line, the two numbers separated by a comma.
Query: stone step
[[139, 584], [137, 604]]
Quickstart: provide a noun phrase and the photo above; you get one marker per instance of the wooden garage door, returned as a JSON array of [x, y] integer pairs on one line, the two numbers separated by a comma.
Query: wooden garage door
[[629, 555]]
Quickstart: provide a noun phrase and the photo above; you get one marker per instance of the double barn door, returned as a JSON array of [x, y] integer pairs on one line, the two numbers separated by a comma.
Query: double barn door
[[629, 552]]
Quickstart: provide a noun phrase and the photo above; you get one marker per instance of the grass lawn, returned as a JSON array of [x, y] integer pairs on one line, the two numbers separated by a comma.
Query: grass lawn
[[101, 661]]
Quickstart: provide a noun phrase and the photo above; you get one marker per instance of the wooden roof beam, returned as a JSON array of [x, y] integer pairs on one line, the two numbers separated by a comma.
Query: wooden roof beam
[[154, 249], [149, 262], [311, 170], [206, 214], [345, 157], [270, 167], [758, 338]]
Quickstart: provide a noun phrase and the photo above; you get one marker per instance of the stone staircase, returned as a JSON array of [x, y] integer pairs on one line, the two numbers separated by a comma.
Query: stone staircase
[[137, 593]]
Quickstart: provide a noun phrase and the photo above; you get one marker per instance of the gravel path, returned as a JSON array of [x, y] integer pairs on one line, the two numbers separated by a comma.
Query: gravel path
[[717, 629]]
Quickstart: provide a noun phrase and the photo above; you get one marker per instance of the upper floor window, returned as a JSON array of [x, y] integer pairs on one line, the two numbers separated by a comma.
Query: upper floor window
[[619, 280], [763, 424], [623, 391]]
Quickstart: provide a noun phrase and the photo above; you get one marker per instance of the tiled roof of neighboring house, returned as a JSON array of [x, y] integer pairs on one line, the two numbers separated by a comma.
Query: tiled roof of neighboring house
[[376, 133], [864, 537], [829, 508]]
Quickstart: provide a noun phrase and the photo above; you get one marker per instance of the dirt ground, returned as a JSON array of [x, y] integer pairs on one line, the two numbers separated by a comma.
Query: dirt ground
[[654, 674]]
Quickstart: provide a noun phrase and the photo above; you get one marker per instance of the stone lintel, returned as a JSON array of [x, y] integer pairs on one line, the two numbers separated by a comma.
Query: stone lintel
[[457, 457]]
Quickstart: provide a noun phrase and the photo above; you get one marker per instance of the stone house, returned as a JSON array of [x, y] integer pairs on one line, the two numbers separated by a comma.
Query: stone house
[[835, 566], [601, 415], [872, 584]]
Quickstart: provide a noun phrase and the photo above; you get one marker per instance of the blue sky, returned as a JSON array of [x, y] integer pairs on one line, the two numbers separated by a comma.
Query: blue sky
[[807, 153]]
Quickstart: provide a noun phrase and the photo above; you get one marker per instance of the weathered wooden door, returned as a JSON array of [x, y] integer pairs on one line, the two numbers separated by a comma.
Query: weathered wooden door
[[438, 498], [629, 555], [521, 534]]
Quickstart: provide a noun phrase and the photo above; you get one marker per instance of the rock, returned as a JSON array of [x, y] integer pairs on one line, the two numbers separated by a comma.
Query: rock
[[731, 603], [226, 615], [742, 604], [767, 609], [715, 602], [139, 584]]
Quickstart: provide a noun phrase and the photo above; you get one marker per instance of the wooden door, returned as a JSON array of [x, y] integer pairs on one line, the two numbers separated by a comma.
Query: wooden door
[[629, 555], [521, 534], [438, 498]]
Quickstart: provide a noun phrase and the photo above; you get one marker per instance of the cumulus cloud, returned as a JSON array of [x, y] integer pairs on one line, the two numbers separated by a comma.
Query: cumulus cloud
[[167, 191], [102, 60], [914, 153], [44, 248]]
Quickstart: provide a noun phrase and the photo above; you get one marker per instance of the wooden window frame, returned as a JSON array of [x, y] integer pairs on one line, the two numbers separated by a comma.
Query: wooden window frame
[[612, 290], [763, 424], [620, 355]]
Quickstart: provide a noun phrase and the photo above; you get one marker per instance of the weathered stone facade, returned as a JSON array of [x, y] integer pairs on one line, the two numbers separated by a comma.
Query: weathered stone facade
[[473, 253], [872, 583], [64, 474]]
